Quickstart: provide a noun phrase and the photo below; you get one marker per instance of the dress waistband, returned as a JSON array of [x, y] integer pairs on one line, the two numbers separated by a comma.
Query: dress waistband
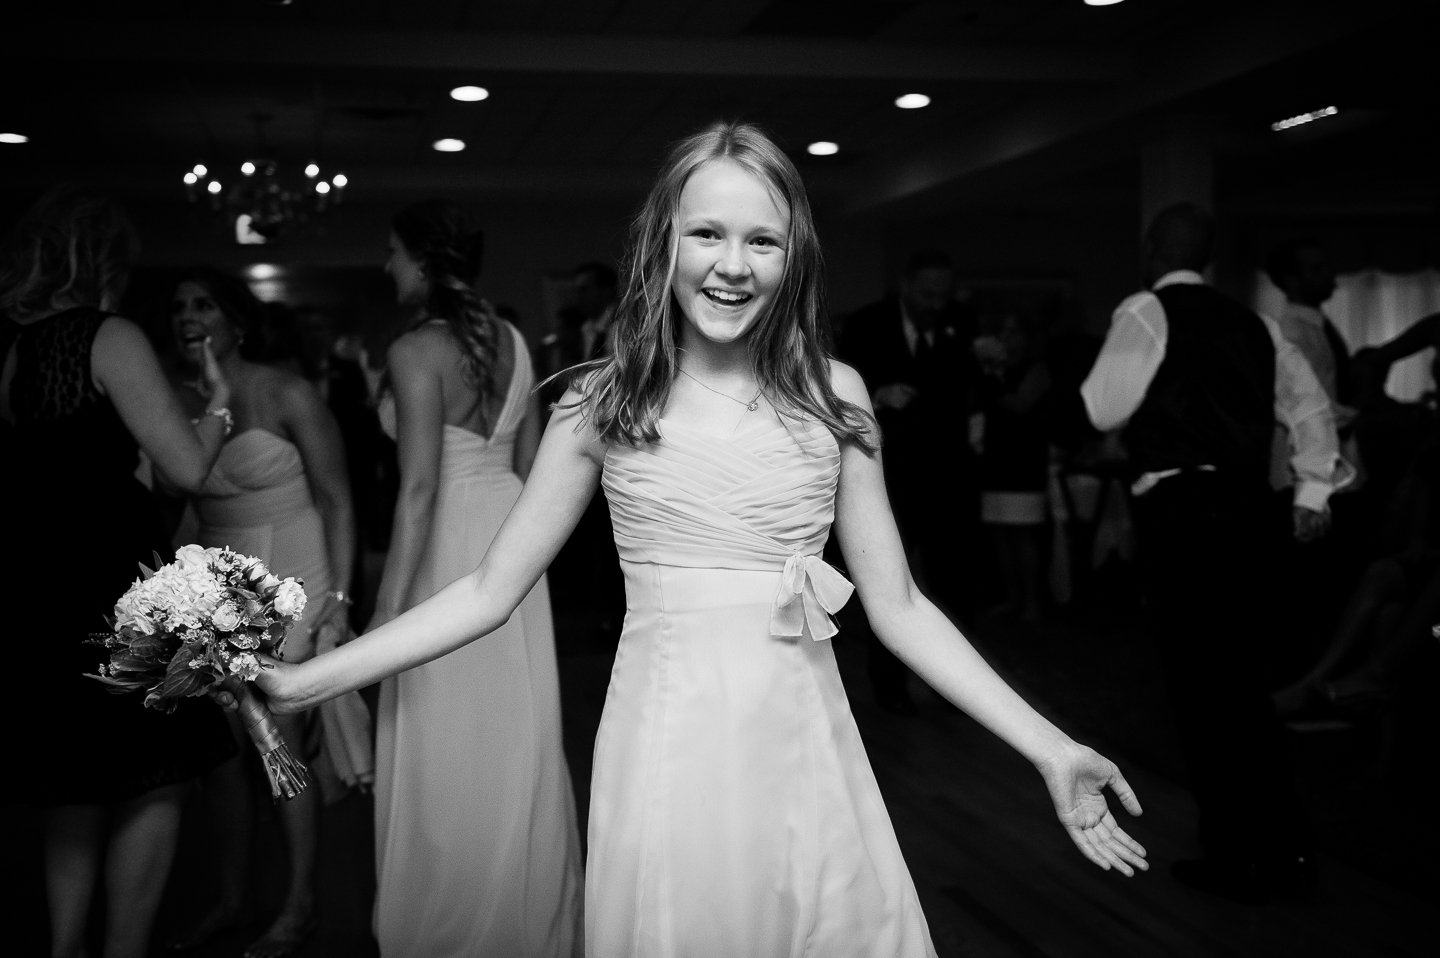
[[255, 507]]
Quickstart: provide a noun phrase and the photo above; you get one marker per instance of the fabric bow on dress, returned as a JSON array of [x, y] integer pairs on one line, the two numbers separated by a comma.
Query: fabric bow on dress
[[811, 590]]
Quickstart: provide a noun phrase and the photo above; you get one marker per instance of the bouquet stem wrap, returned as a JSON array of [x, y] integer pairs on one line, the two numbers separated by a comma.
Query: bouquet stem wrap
[[286, 775]]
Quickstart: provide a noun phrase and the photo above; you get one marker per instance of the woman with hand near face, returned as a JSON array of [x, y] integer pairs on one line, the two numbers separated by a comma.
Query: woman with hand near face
[[280, 492], [476, 846], [733, 811]]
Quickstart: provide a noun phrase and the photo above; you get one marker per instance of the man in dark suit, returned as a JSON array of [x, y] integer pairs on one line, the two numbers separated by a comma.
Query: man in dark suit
[[1197, 382], [914, 352]]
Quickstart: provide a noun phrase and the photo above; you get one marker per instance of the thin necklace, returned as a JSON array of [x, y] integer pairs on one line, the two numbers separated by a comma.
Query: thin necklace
[[752, 405]]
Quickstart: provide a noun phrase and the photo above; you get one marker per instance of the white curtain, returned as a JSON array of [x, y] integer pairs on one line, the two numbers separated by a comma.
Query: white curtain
[[1370, 307]]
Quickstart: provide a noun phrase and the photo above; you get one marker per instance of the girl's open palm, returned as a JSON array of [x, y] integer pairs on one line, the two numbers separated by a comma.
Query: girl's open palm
[[1077, 785]]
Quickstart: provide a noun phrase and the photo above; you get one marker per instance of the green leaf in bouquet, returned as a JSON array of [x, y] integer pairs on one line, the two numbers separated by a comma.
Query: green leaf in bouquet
[[182, 681], [158, 561], [145, 570], [130, 661]]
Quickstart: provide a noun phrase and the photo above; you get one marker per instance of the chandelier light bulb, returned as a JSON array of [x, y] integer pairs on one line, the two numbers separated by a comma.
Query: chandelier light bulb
[[469, 94], [14, 138], [200, 169], [912, 101], [322, 187], [340, 180], [214, 186], [312, 171], [191, 179], [247, 168], [822, 148], [449, 145]]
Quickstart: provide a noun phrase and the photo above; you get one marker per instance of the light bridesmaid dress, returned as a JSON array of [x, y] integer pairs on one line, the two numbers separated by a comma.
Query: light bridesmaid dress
[[733, 811], [476, 845], [257, 502]]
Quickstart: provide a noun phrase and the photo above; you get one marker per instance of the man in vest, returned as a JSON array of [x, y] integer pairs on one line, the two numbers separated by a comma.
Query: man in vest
[[1197, 381]]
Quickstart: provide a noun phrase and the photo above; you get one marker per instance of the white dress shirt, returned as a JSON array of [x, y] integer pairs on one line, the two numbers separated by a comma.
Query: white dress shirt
[[1133, 351]]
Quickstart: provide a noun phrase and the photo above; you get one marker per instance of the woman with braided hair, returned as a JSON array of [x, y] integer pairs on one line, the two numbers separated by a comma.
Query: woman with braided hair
[[476, 846]]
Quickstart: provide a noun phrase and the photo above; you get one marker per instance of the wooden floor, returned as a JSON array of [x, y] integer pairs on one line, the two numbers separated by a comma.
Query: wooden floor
[[996, 874]]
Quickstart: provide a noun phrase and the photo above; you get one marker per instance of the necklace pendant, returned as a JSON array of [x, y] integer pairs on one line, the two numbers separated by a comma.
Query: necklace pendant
[[753, 405]]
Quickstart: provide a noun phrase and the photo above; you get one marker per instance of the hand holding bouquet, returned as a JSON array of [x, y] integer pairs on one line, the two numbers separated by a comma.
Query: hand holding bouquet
[[199, 624]]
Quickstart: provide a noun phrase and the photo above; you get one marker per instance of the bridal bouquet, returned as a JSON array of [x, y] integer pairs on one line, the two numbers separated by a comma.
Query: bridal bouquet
[[197, 623]]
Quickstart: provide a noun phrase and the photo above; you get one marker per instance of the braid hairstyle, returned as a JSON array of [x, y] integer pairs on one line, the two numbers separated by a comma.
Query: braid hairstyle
[[623, 394], [449, 248]]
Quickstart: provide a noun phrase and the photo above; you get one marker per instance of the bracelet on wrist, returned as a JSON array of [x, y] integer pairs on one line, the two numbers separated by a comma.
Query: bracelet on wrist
[[341, 597], [223, 414]]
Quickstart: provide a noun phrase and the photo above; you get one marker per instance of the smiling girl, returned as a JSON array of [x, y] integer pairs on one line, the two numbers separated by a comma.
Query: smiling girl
[[733, 811]]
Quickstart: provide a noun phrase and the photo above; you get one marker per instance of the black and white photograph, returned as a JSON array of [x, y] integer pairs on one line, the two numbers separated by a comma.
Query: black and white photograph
[[749, 479]]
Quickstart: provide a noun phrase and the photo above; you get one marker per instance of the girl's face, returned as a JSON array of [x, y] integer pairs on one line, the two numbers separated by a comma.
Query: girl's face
[[194, 316], [731, 251], [411, 286]]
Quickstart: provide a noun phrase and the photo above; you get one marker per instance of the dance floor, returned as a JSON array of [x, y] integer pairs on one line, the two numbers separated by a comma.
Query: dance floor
[[996, 874]]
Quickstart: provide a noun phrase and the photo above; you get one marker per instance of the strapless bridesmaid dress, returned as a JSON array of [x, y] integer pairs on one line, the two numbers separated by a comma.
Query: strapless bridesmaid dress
[[733, 811], [257, 501]]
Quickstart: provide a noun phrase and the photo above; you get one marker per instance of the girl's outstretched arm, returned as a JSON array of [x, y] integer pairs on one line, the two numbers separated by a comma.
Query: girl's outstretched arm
[[567, 470], [921, 635]]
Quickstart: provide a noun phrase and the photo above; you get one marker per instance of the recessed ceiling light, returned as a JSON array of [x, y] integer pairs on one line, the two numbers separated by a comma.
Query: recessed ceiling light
[[247, 168], [312, 171], [1310, 117], [191, 179], [340, 180], [1100, 3], [214, 186], [199, 169], [469, 94], [14, 138], [263, 271], [322, 187], [912, 101], [822, 148], [449, 145]]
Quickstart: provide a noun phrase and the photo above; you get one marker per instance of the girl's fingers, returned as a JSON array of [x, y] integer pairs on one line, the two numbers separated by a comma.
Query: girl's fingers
[[1125, 793]]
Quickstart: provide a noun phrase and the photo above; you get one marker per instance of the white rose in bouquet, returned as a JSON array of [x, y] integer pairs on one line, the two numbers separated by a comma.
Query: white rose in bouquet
[[290, 599], [227, 617], [193, 557]]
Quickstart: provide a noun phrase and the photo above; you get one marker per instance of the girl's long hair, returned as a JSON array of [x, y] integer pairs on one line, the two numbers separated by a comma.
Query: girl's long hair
[[624, 393], [450, 249], [71, 248]]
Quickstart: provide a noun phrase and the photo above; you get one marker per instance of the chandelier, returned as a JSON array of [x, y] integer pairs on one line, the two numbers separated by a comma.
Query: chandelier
[[260, 204]]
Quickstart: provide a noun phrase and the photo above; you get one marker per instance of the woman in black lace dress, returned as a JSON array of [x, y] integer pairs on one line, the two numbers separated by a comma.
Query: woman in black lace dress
[[81, 389]]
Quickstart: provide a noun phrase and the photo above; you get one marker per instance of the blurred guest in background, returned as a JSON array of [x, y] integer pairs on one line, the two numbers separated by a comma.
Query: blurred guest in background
[[280, 492], [369, 462], [1301, 269], [913, 351], [83, 388], [1197, 382], [469, 745], [595, 299], [1014, 449], [586, 571], [1312, 578]]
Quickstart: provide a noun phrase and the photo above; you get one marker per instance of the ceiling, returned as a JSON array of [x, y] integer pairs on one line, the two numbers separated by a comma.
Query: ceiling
[[1033, 100]]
